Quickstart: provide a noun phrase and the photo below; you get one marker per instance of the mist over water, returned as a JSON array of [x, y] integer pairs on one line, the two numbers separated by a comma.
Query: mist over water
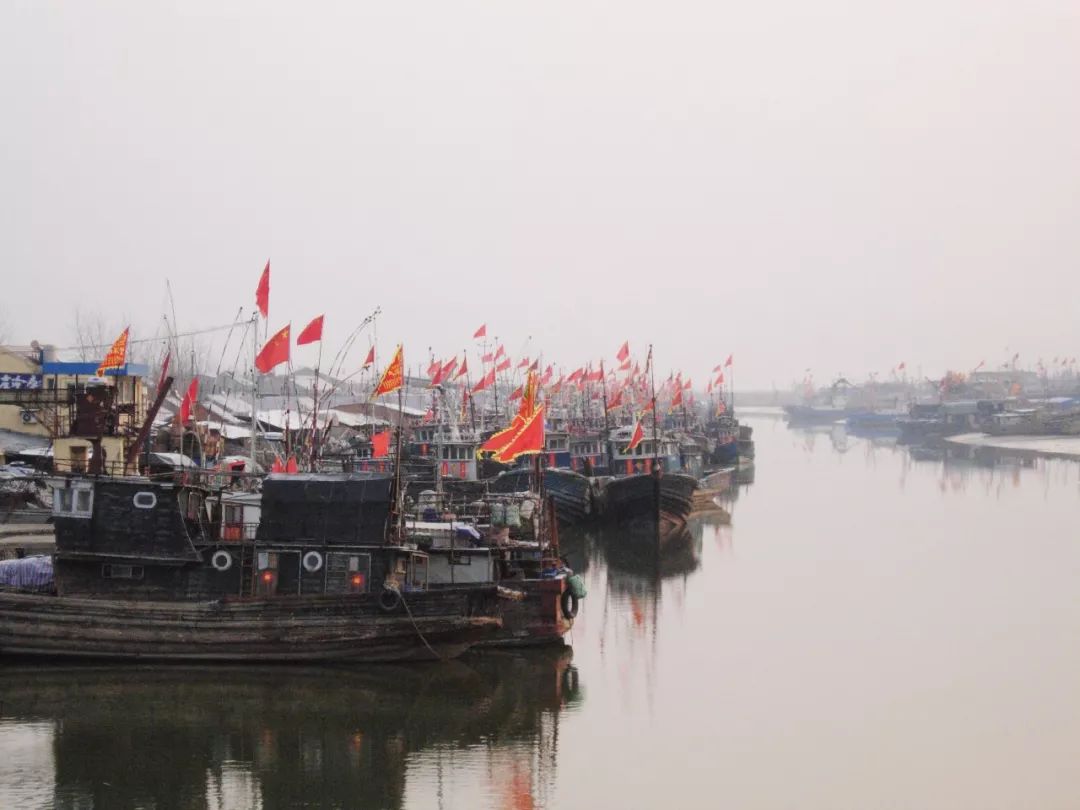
[[871, 630]]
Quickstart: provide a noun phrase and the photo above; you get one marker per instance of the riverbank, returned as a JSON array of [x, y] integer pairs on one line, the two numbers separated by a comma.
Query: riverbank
[[1045, 446]]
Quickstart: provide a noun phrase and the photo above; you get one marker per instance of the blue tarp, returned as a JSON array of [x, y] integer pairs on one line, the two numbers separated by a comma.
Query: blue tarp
[[28, 574]]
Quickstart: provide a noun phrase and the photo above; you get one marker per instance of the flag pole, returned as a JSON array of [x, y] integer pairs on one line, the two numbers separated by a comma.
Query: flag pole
[[254, 383]]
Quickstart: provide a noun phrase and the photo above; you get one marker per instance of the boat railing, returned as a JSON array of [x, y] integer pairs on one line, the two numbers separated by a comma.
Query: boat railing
[[238, 532]]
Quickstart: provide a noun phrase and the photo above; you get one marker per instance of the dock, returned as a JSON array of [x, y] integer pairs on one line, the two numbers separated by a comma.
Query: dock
[[1067, 447]]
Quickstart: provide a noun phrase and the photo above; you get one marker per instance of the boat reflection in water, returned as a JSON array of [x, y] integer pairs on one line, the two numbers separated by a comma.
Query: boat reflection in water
[[221, 738]]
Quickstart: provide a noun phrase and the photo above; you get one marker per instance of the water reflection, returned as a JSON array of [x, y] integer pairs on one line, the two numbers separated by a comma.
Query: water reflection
[[221, 738]]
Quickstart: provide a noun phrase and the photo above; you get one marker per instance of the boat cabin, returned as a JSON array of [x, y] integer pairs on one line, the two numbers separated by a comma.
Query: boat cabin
[[305, 534], [641, 459]]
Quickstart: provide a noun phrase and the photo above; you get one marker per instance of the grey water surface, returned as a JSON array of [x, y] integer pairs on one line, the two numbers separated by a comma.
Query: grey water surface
[[876, 628]]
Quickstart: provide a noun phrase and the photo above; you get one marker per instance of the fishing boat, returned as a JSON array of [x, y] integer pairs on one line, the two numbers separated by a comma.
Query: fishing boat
[[512, 542], [572, 492], [173, 571]]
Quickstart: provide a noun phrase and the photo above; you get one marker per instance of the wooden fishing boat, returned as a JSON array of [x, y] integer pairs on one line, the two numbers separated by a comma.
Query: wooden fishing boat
[[573, 492], [172, 571]]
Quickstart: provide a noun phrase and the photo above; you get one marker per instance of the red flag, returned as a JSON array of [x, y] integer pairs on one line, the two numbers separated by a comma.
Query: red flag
[[516, 394], [487, 358], [729, 361], [615, 401], [164, 370], [686, 385], [625, 365], [499, 440], [394, 377], [189, 400], [275, 351], [449, 367], [576, 375], [677, 399], [464, 368], [530, 439], [311, 333], [902, 366], [488, 379], [717, 368], [481, 332], [370, 357], [720, 379], [291, 466], [635, 437], [277, 466], [624, 352], [548, 372], [380, 444], [504, 365], [524, 363], [117, 354], [428, 416], [500, 352], [262, 292], [433, 368], [649, 406]]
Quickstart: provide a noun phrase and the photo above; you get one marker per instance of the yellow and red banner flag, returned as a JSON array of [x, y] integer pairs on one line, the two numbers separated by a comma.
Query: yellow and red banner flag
[[117, 355], [529, 440], [394, 377]]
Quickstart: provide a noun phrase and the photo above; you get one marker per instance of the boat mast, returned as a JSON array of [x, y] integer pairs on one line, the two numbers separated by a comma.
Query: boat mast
[[254, 382]]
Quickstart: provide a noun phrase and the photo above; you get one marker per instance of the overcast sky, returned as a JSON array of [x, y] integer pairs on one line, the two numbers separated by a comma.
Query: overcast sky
[[838, 184]]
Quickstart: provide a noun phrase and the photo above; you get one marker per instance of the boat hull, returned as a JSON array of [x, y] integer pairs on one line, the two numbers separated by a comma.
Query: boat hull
[[534, 618], [571, 491], [649, 503], [436, 624]]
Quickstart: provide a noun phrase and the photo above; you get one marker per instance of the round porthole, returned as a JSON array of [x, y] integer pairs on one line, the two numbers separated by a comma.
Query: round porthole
[[222, 561], [145, 500], [312, 562]]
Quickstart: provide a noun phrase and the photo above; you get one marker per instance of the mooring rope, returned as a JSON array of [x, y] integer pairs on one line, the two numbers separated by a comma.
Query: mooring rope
[[416, 627]]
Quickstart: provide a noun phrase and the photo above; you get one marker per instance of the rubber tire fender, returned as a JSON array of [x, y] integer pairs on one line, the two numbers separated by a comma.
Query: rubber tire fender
[[569, 604], [389, 600]]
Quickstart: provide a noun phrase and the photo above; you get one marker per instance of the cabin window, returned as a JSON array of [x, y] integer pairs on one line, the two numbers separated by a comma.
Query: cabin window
[[234, 514], [121, 572], [460, 558], [77, 501], [145, 500]]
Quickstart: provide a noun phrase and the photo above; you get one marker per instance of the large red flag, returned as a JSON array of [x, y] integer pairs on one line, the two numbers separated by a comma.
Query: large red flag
[[380, 444], [311, 333], [486, 380], [275, 352], [529, 440], [188, 401], [500, 439], [481, 332], [636, 437], [370, 357], [624, 352], [262, 292], [117, 354], [394, 377]]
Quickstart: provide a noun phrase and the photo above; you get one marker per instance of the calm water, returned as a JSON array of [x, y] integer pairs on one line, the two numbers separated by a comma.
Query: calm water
[[873, 630]]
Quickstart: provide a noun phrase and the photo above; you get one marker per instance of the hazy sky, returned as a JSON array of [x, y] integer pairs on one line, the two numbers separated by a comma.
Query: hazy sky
[[838, 184]]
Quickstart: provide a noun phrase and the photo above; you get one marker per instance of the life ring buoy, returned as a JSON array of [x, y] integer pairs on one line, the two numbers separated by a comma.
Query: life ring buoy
[[389, 600], [313, 562], [569, 604], [222, 560]]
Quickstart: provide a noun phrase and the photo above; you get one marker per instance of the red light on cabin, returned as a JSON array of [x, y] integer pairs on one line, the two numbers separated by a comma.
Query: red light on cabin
[[358, 580], [268, 576]]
